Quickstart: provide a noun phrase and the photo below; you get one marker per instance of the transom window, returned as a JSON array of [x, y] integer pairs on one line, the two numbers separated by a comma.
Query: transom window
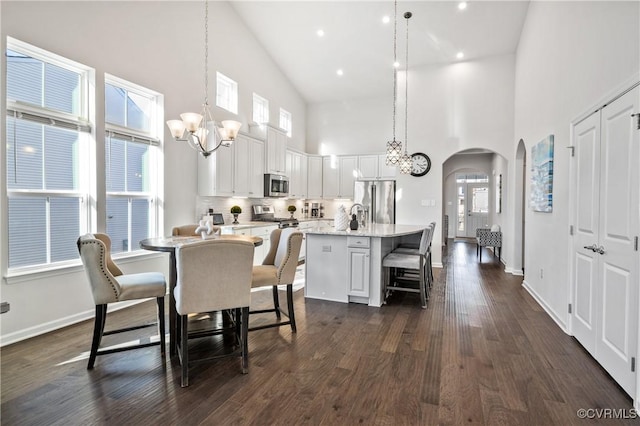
[[260, 109], [285, 121], [226, 93]]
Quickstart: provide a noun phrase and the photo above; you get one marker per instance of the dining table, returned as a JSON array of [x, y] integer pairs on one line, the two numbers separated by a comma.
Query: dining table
[[169, 245]]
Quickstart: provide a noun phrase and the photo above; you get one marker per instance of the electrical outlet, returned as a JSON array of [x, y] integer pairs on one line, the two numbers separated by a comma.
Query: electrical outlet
[[424, 203], [541, 273], [326, 249]]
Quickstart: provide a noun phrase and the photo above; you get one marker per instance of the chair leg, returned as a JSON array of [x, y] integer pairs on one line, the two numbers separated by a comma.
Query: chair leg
[[480, 253], [244, 337], [423, 292], [292, 315], [183, 321], [161, 325], [276, 301], [98, 329]]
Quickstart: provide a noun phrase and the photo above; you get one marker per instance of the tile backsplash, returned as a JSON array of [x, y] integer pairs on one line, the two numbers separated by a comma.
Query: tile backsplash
[[223, 205]]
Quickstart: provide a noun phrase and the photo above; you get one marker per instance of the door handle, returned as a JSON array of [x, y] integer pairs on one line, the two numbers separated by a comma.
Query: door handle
[[592, 247], [599, 250]]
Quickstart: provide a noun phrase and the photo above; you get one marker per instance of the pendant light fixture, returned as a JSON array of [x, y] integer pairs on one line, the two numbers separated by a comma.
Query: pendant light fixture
[[406, 163], [394, 147], [200, 130]]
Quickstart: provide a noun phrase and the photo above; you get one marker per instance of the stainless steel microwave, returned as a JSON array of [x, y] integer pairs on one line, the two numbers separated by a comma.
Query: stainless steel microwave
[[276, 185]]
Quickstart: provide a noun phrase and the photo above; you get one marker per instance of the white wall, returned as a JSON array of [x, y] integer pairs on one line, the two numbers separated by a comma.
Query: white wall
[[570, 55], [158, 45], [451, 108]]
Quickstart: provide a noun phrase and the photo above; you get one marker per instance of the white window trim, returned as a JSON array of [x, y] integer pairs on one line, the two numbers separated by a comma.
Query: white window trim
[[263, 104], [233, 85], [289, 124]]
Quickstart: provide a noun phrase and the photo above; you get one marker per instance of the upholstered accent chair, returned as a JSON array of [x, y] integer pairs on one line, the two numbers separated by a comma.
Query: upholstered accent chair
[[110, 285], [213, 275], [489, 237], [408, 260], [279, 268]]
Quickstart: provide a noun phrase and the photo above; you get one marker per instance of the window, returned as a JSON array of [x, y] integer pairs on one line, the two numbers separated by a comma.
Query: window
[[285, 121], [131, 155], [47, 155], [227, 93], [260, 109]]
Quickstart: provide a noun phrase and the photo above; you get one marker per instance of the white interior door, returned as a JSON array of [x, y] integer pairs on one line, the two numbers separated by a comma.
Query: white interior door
[[605, 317], [477, 207], [618, 275]]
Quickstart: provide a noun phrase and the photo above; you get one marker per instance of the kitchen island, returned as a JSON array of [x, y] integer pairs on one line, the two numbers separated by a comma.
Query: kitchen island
[[346, 266]]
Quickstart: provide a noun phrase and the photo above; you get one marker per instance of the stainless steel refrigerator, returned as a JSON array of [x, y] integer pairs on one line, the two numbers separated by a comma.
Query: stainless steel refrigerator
[[378, 198]]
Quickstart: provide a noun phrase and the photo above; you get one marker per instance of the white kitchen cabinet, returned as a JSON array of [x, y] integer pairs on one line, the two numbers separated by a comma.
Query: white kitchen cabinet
[[359, 265], [215, 173], [234, 171], [314, 177], [296, 170], [338, 176], [276, 151], [374, 167]]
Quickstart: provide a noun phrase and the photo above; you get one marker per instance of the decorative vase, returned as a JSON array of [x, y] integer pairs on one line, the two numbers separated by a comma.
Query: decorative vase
[[235, 219], [341, 221], [292, 215], [354, 223]]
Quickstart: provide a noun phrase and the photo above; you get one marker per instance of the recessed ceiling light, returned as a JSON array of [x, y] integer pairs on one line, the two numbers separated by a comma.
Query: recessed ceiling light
[[460, 55], [340, 72], [386, 19], [462, 5], [320, 33], [396, 64]]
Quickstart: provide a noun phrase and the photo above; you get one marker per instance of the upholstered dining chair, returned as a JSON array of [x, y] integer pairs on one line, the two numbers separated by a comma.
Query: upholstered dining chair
[[213, 275], [279, 268], [189, 230], [110, 285], [489, 237], [409, 260]]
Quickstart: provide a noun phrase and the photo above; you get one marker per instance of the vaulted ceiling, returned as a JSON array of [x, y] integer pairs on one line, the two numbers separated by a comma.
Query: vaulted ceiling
[[356, 41]]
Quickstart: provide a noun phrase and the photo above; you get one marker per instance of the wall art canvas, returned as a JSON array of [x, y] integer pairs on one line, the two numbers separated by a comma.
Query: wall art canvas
[[542, 176]]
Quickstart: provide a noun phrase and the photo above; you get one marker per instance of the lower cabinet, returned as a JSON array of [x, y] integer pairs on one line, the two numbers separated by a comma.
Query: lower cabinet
[[358, 252]]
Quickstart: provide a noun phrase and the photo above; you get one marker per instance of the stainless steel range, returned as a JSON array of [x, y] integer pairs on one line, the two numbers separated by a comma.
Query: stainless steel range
[[264, 213]]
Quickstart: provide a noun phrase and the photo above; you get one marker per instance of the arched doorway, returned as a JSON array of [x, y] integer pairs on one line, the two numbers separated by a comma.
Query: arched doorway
[[519, 209]]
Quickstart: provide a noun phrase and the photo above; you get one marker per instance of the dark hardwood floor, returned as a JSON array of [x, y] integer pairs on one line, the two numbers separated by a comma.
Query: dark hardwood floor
[[482, 353]]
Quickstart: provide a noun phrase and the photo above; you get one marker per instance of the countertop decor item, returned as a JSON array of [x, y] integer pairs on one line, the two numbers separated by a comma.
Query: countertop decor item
[[291, 209], [235, 210], [353, 225], [341, 221]]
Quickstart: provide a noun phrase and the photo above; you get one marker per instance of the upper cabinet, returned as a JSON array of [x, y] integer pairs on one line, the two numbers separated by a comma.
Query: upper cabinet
[[314, 177], [374, 167], [296, 170], [338, 176], [234, 171], [276, 151]]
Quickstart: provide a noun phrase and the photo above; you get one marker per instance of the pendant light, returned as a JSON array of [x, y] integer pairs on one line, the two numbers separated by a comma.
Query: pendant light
[[406, 164], [394, 147]]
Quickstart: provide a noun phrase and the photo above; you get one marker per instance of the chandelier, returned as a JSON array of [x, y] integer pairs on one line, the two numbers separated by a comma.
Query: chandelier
[[200, 130], [394, 147], [406, 163]]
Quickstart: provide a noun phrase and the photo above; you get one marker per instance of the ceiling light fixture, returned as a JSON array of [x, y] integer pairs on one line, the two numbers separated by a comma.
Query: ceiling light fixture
[[340, 72], [386, 19], [200, 130], [462, 5], [394, 147], [460, 55], [320, 33], [406, 163]]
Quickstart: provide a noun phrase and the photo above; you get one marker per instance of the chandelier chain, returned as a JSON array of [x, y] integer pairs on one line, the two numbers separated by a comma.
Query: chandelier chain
[[206, 52], [395, 69], [406, 90]]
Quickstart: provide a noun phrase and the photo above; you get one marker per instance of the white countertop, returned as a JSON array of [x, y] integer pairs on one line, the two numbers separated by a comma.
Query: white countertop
[[376, 230]]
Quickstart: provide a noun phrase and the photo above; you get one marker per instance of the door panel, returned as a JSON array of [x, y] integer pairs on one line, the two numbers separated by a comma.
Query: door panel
[[619, 225], [585, 327]]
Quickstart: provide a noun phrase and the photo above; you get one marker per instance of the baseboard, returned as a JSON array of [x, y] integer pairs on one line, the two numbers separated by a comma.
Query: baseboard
[[546, 307], [517, 272], [437, 265], [60, 323]]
